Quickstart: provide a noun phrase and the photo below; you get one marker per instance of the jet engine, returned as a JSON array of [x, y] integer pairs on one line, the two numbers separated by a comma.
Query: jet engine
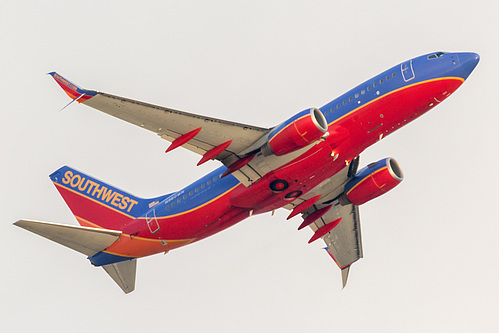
[[299, 131], [374, 180]]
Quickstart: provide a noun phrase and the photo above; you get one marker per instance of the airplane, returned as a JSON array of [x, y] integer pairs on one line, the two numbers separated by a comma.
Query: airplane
[[308, 165]]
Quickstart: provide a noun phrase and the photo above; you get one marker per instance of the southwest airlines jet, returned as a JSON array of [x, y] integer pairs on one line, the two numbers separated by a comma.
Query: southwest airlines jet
[[308, 165]]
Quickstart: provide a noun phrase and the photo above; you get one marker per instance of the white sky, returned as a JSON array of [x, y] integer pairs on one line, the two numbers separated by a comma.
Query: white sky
[[430, 245]]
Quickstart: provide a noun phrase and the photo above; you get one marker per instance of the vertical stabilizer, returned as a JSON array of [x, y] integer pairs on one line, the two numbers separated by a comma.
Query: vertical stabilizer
[[97, 204], [123, 273]]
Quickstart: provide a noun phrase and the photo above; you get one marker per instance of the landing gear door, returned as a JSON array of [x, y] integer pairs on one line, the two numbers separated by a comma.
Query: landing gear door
[[152, 222], [407, 71]]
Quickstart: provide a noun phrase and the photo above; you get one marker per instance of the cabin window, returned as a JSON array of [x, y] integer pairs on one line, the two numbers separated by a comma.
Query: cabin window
[[350, 98], [173, 204], [196, 189], [220, 175], [375, 84], [326, 112], [179, 200], [394, 74], [202, 186], [357, 95], [388, 77], [208, 182], [345, 102], [190, 193], [332, 109], [215, 178], [362, 92], [381, 81], [167, 207], [338, 106], [369, 88], [184, 196]]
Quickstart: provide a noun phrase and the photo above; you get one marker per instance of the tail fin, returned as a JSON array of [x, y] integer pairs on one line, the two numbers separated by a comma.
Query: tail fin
[[96, 204], [88, 241]]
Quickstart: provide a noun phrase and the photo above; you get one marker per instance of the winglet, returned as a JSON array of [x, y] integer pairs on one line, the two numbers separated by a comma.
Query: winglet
[[72, 90]]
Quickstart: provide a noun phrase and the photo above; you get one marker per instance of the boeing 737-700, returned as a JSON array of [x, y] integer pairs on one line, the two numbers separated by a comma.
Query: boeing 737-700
[[308, 165]]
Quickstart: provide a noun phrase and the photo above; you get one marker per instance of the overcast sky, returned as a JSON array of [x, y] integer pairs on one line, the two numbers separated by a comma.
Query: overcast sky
[[430, 246]]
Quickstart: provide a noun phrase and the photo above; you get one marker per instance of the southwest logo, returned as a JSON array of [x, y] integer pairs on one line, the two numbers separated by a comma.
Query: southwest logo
[[101, 192]]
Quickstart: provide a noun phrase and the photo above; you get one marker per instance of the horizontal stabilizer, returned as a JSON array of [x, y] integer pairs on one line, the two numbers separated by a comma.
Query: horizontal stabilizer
[[123, 273], [88, 241]]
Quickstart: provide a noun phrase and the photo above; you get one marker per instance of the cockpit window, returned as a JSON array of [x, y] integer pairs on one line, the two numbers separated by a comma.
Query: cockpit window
[[436, 55]]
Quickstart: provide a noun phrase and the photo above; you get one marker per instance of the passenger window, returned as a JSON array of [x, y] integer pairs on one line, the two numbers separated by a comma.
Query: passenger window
[[357, 95], [173, 204], [208, 182], [369, 88], [388, 77], [362, 91], [338, 106], [202, 186], [167, 207], [350, 98], [215, 178], [381, 81], [325, 113], [190, 193], [394, 74], [375, 84], [185, 196], [345, 102], [179, 200], [196, 190]]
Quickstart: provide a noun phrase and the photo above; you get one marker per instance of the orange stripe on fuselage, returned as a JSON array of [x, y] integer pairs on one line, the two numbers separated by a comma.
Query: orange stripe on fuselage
[[141, 247], [130, 246]]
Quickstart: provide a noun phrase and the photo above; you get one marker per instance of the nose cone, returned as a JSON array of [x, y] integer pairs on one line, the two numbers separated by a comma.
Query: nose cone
[[468, 62]]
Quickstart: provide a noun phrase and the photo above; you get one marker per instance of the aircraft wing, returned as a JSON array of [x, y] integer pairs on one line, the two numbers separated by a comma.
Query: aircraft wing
[[344, 243], [333, 220], [170, 124]]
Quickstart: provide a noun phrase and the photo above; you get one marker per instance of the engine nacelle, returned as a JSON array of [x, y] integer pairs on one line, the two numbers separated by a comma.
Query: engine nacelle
[[299, 131], [374, 180]]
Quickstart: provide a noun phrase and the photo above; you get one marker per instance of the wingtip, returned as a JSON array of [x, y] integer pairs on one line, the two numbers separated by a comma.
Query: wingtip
[[344, 275], [72, 90]]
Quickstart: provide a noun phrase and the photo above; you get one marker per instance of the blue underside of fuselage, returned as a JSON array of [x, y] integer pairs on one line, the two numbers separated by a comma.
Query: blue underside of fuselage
[[103, 258]]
